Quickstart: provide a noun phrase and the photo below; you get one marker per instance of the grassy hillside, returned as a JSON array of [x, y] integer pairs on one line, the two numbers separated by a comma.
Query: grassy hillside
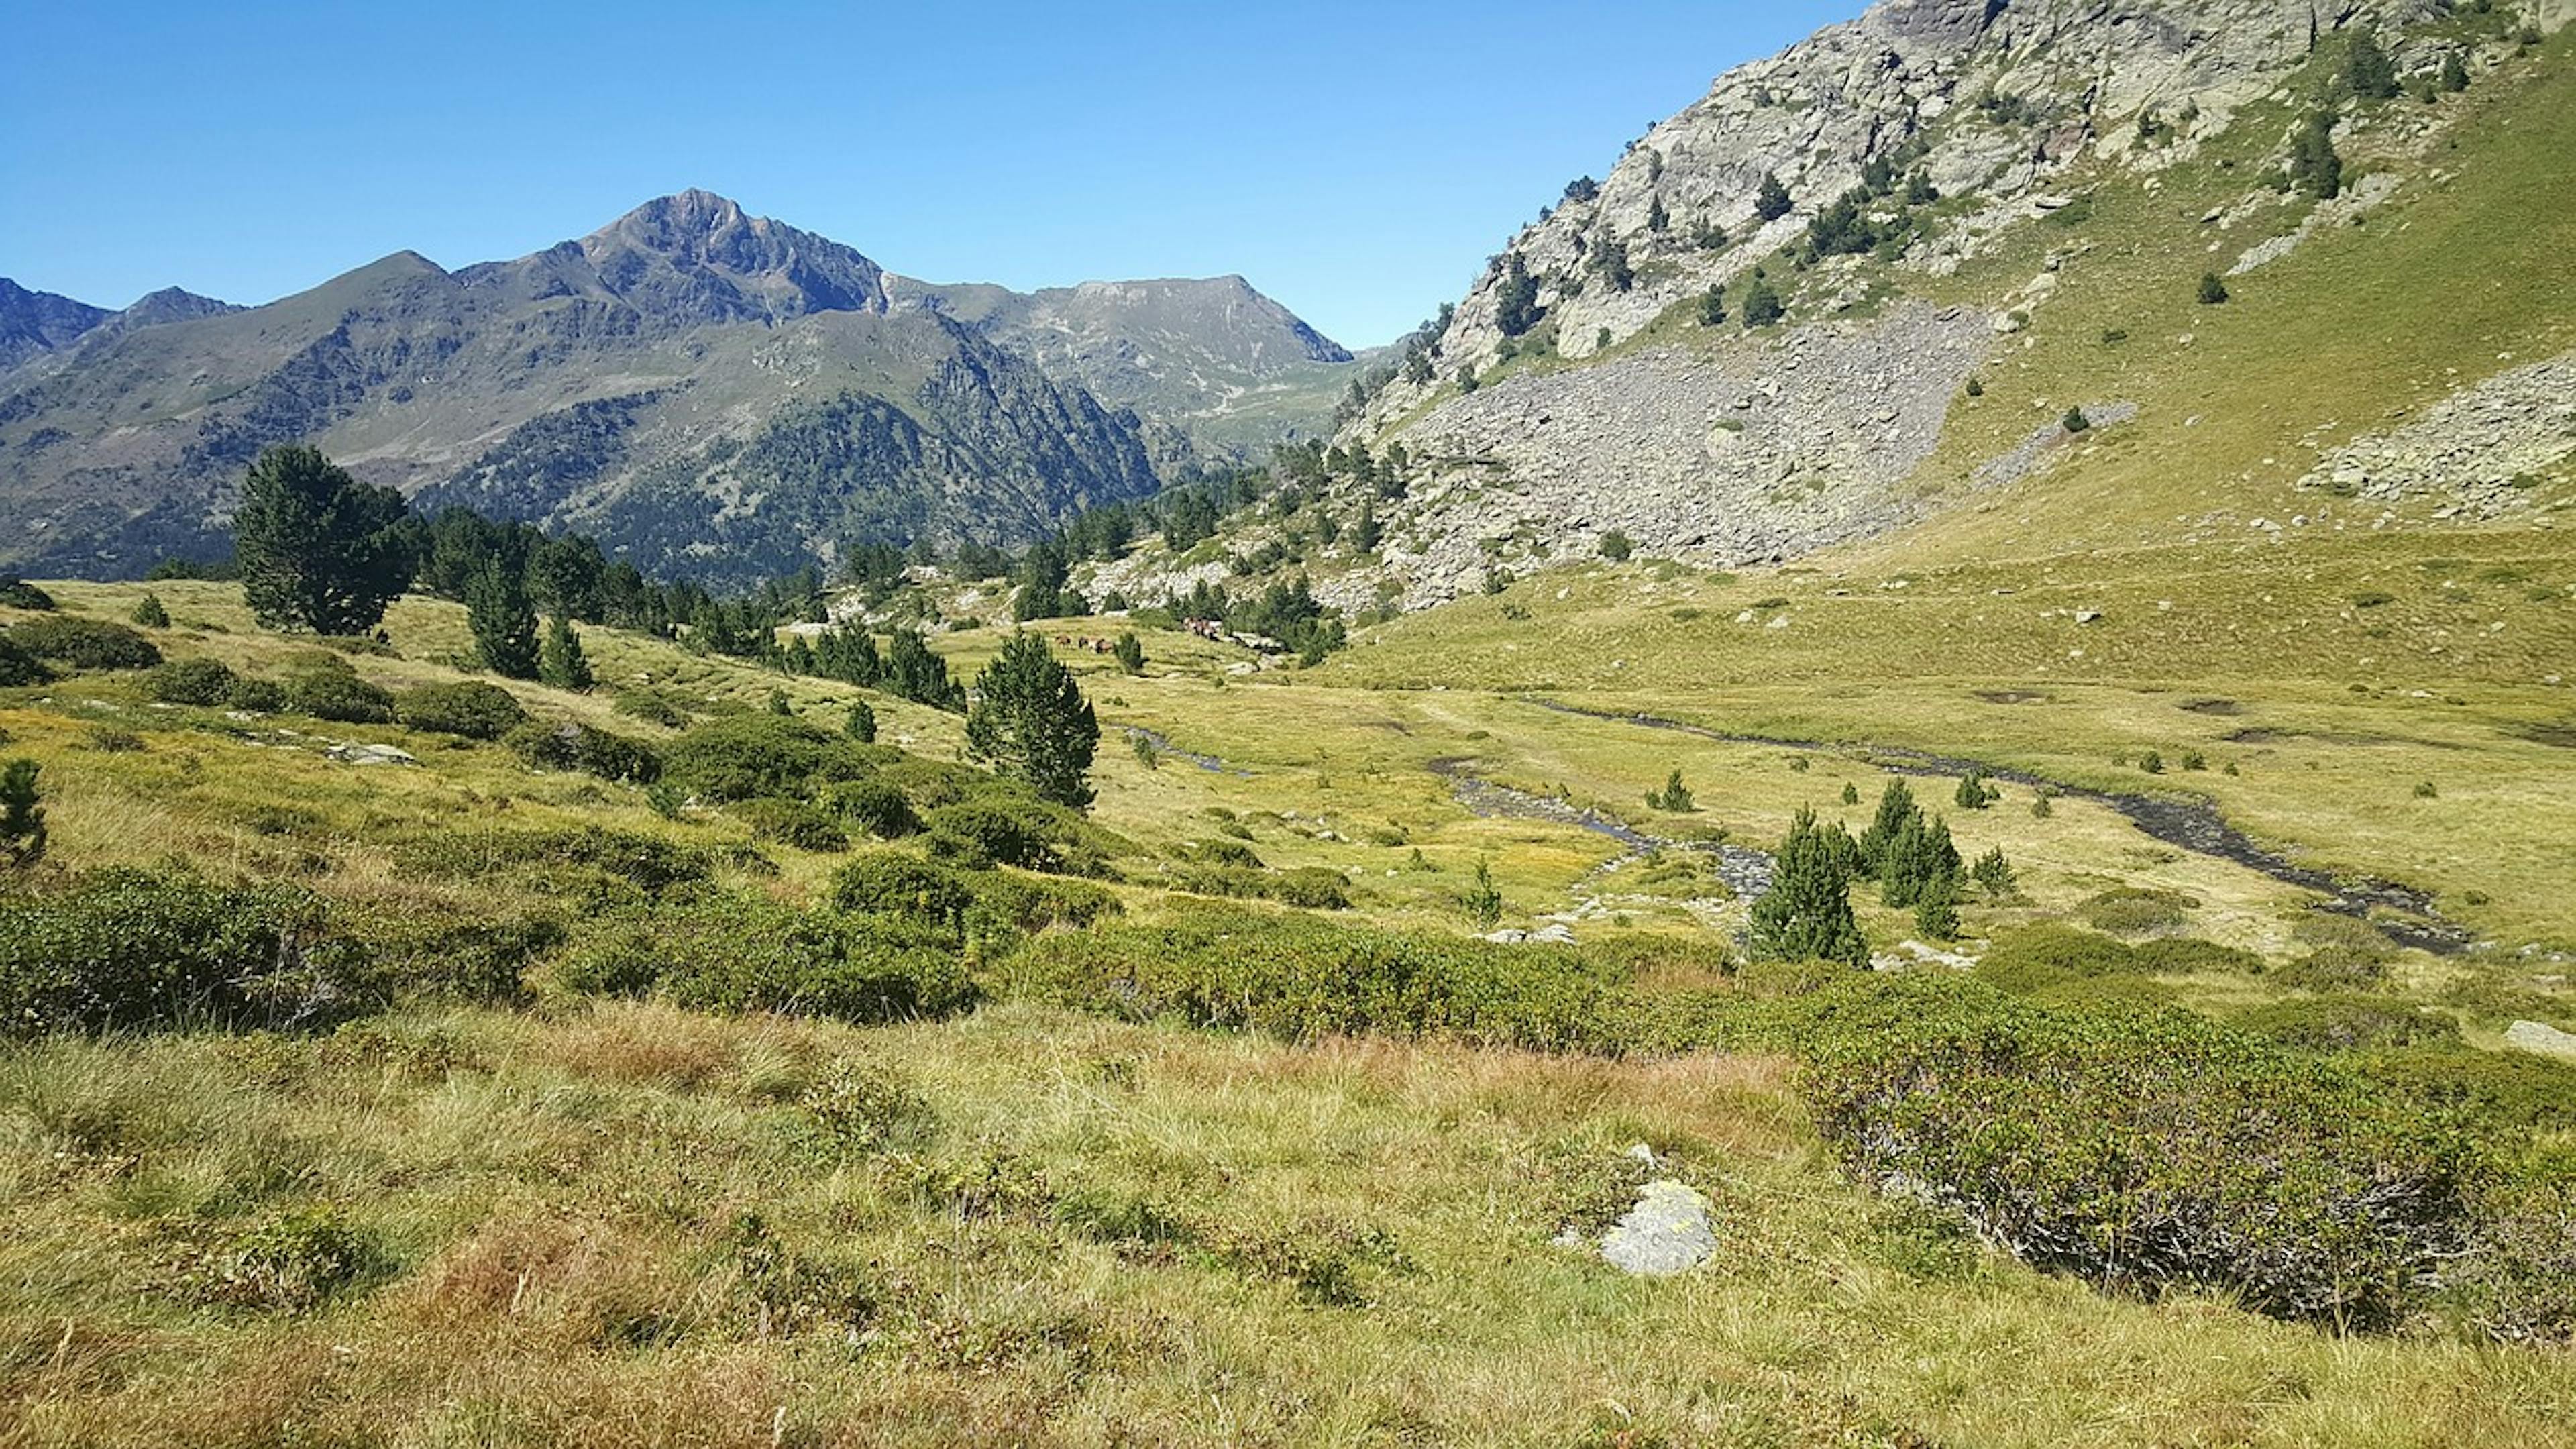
[[576, 1218]]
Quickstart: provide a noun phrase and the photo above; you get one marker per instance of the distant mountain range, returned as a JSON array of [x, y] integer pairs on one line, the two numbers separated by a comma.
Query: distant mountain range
[[705, 390]]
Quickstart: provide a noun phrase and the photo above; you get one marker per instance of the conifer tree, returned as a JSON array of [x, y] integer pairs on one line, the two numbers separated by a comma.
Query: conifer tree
[[1516, 308], [2455, 73], [862, 723], [503, 623], [318, 549], [1771, 202], [2367, 68], [1031, 721], [1130, 651], [1936, 909], [22, 820], [1994, 872], [1807, 912], [1896, 812], [150, 613], [1762, 304], [561, 662], [1712, 305], [2212, 290]]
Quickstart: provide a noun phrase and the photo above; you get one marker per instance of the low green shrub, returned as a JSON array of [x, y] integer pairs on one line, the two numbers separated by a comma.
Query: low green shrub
[[470, 708], [591, 750], [2136, 910], [1303, 978], [1001, 830], [2049, 959], [2147, 1150], [85, 643], [578, 862], [2518, 1283], [1311, 887], [875, 806], [462, 958], [794, 823], [290, 1262], [194, 681], [17, 666], [738, 954], [2516, 1091], [345, 698], [894, 883], [135, 948], [17, 593], [256, 696], [2348, 1023], [651, 708], [752, 755]]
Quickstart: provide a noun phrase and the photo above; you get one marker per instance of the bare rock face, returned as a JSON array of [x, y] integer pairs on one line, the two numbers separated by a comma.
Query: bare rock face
[[1743, 450]]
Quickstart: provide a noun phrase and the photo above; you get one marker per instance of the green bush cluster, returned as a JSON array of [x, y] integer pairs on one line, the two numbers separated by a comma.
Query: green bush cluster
[[85, 643], [795, 823], [17, 666], [1303, 978], [2051, 959], [2348, 1023], [753, 755], [17, 593], [875, 806], [470, 708], [1001, 826], [1308, 887], [734, 953], [588, 863], [340, 696], [586, 748], [2150, 1150], [964, 904], [135, 948], [194, 681]]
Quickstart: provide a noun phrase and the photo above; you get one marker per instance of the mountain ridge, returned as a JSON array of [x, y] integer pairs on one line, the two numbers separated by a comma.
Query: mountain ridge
[[693, 326]]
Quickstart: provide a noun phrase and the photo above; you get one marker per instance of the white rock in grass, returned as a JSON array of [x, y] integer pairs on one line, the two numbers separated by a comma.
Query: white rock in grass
[[2534, 1036], [1666, 1232]]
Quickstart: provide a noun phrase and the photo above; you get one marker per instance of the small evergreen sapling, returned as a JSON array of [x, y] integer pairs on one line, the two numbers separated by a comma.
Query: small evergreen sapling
[[2212, 290], [1130, 651], [861, 725], [22, 820], [561, 663], [1994, 873], [150, 614]]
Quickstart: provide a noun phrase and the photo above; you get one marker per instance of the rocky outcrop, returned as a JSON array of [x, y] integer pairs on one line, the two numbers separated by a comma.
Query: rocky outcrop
[[1733, 460], [2497, 447], [1988, 106]]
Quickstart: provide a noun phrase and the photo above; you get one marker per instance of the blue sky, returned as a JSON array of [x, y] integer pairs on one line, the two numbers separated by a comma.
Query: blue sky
[[1356, 161]]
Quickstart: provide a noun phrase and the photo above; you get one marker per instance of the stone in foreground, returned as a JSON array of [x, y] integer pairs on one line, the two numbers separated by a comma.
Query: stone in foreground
[[1666, 1232], [2533, 1036]]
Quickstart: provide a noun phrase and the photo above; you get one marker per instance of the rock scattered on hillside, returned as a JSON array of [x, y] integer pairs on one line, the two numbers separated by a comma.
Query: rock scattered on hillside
[[2479, 447]]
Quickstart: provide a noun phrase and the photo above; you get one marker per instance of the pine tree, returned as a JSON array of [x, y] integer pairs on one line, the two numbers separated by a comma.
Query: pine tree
[[1994, 873], [862, 723], [1130, 653], [1771, 202], [1484, 902], [1936, 909], [1516, 308], [1675, 796], [2314, 166], [778, 704], [318, 549], [1851, 793], [1030, 720], [2075, 421], [22, 820], [1974, 793], [1807, 914], [2367, 68], [2212, 290], [2455, 73], [503, 623], [1656, 217], [1897, 812], [150, 613], [1762, 305], [1712, 305], [561, 662]]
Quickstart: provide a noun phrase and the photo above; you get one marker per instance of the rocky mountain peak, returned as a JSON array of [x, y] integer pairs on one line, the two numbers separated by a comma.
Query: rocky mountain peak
[[696, 256]]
